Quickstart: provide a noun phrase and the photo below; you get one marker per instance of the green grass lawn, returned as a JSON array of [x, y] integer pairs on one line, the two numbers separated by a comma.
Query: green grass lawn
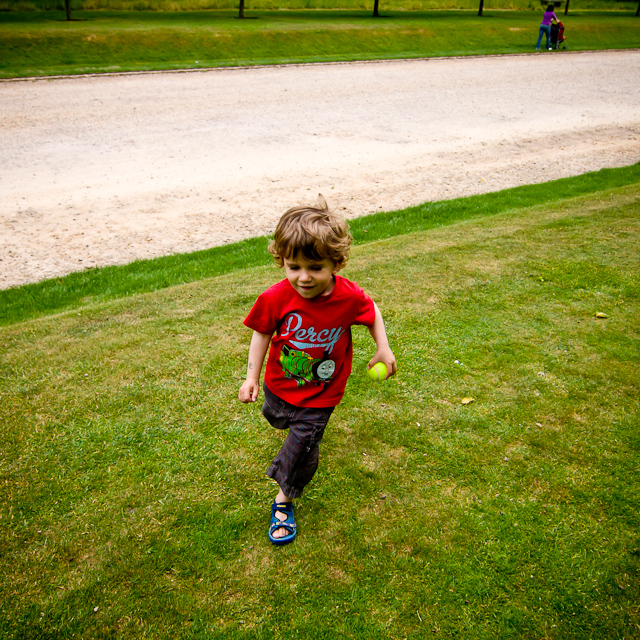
[[40, 43], [134, 501]]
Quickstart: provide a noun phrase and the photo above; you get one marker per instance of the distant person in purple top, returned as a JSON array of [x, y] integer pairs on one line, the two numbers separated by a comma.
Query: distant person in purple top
[[545, 27]]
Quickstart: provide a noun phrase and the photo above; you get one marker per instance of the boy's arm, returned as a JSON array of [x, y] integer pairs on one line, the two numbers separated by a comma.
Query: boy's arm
[[383, 351], [257, 351]]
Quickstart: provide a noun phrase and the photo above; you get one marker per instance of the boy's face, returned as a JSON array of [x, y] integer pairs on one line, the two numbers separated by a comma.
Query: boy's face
[[310, 279]]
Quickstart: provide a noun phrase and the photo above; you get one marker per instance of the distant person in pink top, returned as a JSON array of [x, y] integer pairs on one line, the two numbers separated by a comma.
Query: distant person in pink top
[[545, 27]]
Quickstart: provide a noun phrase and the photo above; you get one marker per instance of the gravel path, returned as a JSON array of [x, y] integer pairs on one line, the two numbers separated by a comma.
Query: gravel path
[[107, 169]]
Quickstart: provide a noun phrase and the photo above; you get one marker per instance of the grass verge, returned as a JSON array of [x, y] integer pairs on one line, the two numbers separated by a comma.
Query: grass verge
[[134, 502], [274, 5], [108, 283], [39, 44]]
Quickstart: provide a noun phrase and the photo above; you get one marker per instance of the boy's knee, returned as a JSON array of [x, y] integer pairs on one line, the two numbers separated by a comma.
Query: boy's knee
[[308, 435]]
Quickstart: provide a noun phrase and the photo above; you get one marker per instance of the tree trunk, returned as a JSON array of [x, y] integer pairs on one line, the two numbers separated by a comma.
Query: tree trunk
[[376, 13], [67, 8], [241, 10], [638, 10], [481, 7], [566, 8]]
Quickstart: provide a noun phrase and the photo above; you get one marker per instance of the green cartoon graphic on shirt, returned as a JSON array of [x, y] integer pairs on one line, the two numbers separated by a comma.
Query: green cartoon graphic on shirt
[[305, 369]]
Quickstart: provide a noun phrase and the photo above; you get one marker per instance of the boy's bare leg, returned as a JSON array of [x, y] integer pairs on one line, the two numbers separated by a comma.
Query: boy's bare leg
[[281, 532]]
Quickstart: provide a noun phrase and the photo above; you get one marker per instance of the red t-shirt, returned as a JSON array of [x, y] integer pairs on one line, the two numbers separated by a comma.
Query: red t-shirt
[[311, 353]]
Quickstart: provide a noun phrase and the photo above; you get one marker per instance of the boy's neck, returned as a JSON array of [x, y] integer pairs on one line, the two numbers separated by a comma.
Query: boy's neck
[[329, 290]]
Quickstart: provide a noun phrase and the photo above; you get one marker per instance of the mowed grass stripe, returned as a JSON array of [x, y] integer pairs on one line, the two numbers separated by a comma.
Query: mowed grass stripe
[[42, 44], [80, 288]]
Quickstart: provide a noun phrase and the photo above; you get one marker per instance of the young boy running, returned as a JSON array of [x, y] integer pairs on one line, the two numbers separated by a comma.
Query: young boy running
[[311, 313]]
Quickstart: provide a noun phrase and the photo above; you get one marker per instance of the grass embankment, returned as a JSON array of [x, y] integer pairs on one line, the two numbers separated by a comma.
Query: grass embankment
[[134, 502], [40, 44], [108, 283]]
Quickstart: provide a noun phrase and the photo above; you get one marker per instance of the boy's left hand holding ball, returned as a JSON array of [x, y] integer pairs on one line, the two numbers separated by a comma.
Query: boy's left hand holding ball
[[383, 357]]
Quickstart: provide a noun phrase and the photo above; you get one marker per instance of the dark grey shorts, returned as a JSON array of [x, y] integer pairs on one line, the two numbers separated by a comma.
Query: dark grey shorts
[[297, 460]]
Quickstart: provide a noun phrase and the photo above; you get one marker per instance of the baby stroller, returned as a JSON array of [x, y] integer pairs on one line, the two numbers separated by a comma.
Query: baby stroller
[[557, 35]]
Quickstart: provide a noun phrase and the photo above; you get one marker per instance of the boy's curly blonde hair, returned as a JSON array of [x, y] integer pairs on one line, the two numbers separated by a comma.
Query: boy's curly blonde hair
[[316, 233]]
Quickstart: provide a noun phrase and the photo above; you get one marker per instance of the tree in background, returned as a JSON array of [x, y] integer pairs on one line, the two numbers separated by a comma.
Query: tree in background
[[67, 8], [241, 15]]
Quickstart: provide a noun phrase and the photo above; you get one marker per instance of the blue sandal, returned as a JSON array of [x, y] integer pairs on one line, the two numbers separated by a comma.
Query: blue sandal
[[289, 524]]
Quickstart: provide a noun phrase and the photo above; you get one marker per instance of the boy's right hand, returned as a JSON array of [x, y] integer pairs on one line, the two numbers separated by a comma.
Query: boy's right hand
[[249, 391]]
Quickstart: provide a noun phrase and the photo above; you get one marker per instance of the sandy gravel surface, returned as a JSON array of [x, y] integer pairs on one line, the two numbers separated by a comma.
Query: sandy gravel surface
[[105, 170]]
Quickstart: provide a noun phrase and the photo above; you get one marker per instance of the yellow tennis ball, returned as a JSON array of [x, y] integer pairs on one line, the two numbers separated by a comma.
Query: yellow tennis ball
[[378, 371]]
